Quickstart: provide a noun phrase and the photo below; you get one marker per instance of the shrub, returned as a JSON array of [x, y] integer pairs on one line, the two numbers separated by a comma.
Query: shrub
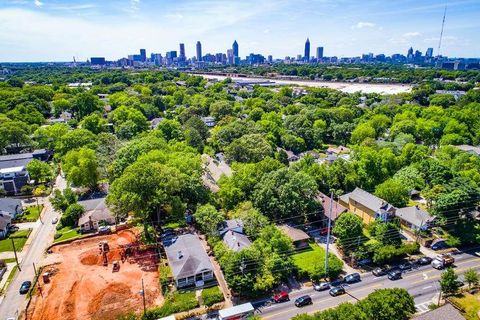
[[212, 295], [175, 302]]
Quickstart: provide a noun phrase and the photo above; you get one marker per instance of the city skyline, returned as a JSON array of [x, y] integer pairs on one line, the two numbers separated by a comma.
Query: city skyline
[[57, 30]]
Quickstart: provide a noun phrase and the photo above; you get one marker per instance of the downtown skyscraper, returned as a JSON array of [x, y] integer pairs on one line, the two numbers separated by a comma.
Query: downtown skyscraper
[[199, 51], [236, 57], [306, 55]]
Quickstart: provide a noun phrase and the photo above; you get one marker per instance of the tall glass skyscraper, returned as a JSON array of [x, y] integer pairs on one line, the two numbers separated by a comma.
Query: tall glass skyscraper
[[235, 52], [306, 56], [199, 51]]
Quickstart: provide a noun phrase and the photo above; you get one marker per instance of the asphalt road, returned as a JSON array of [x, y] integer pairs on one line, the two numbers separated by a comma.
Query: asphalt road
[[13, 303], [421, 282]]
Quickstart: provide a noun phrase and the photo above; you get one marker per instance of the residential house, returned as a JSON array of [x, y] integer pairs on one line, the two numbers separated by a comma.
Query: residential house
[[12, 207], [209, 121], [367, 206], [231, 232], [96, 213], [414, 217], [13, 169], [329, 204], [155, 122], [445, 312], [291, 156], [189, 263], [5, 222], [298, 236], [470, 149], [338, 150]]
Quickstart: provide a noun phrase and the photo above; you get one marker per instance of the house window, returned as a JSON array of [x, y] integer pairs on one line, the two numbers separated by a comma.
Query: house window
[[182, 282], [208, 275]]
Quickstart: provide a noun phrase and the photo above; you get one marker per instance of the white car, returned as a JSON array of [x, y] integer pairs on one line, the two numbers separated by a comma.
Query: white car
[[321, 286]]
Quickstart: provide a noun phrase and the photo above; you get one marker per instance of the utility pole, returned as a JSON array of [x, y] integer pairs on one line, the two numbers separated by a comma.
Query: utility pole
[[328, 233], [15, 252]]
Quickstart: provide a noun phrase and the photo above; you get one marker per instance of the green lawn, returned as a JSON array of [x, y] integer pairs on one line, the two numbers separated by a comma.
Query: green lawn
[[311, 262], [65, 234], [19, 238], [469, 303], [31, 214]]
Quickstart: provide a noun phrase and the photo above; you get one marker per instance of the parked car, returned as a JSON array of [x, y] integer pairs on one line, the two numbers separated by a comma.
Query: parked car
[[424, 261], [337, 291], [104, 230], [380, 271], [439, 245], [25, 287], [336, 283], [405, 266], [443, 261], [352, 278], [395, 274], [303, 301], [281, 297], [324, 231], [320, 286], [55, 220]]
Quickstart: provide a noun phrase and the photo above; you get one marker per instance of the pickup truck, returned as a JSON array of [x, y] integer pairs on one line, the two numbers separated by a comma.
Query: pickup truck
[[443, 261]]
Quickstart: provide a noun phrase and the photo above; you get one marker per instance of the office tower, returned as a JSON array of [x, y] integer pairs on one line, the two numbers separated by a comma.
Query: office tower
[[99, 61], [410, 54], [429, 53], [270, 59], [156, 58], [319, 53], [182, 52], [236, 57], [230, 57], [306, 56], [199, 51], [143, 55]]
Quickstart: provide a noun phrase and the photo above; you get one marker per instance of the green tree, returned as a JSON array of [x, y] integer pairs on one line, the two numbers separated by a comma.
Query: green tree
[[347, 227], [39, 171], [71, 215], [394, 192], [94, 123], [362, 132], [221, 109], [471, 277], [84, 104], [48, 136], [76, 139], [249, 148], [170, 129], [208, 218], [81, 167], [388, 304], [448, 282]]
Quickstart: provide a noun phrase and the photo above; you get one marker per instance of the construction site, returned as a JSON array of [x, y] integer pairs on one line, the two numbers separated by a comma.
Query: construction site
[[97, 278]]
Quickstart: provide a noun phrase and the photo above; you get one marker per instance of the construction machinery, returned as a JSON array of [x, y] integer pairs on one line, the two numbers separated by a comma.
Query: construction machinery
[[115, 266], [104, 249]]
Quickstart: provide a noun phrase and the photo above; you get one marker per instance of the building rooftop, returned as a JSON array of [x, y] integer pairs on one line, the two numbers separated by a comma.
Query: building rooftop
[[366, 199], [186, 256], [10, 205], [446, 312], [469, 149], [294, 234], [236, 241], [337, 208], [414, 215]]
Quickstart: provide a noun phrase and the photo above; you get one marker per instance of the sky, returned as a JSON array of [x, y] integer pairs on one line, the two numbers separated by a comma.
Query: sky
[[58, 30]]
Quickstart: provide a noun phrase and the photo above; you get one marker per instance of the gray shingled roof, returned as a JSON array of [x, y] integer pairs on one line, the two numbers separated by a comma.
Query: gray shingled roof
[[365, 198], [414, 215], [236, 241], [186, 256], [446, 312], [93, 204], [11, 205], [294, 234]]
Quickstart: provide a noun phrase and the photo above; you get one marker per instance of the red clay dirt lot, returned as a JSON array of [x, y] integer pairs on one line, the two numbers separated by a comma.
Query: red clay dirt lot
[[82, 288]]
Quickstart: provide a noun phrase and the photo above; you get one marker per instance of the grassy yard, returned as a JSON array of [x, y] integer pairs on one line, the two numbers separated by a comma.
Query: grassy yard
[[31, 214], [19, 238], [174, 302], [311, 262], [469, 303], [65, 234]]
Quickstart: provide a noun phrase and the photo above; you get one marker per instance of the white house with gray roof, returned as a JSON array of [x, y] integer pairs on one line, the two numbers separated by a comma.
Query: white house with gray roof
[[414, 217], [188, 260]]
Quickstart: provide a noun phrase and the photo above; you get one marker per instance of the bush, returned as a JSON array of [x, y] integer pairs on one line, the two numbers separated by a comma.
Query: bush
[[71, 215], [212, 295], [175, 302], [26, 189]]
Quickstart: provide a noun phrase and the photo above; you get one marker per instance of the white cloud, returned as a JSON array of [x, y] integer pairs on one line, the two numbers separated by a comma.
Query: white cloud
[[38, 3], [362, 25], [134, 5], [411, 34]]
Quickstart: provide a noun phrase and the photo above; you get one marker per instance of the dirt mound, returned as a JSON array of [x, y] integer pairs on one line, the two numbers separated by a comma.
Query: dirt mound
[[126, 237], [111, 301], [92, 257]]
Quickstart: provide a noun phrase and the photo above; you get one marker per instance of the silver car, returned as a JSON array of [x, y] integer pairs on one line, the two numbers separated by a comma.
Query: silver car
[[320, 286]]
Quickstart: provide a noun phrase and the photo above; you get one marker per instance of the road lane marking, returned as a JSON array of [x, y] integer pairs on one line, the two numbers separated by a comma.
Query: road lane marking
[[425, 276], [272, 316], [427, 287]]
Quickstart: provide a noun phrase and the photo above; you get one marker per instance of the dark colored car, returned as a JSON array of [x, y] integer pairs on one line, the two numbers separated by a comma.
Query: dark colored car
[[337, 291], [439, 245], [336, 283], [303, 301], [281, 297], [25, 287], [380, 271], [352, 278], [394, 274], [405, 266], [423, 261]]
